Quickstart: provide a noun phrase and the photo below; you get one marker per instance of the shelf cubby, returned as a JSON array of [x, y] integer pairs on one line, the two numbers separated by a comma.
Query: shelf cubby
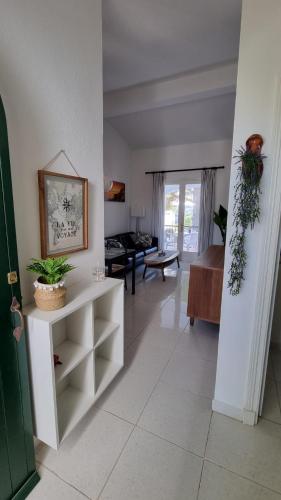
[[108, 316], [103, 329], [72, 340], [108, 362], [75, 395], [70, 355]]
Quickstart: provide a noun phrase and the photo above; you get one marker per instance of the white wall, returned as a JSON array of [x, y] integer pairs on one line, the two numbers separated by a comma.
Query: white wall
[[51, 85], [116, 162], [179, 157], [258, 68]]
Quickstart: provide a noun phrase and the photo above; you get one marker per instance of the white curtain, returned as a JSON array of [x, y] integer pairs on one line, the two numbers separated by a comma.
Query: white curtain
[[158, 207], [207, 205]]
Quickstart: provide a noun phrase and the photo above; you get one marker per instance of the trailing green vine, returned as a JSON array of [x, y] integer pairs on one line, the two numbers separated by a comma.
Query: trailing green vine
[[246, 211]]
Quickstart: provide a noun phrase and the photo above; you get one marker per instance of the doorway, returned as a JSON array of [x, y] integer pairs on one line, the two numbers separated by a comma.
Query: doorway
[[270, 402], [181, 218], [17, 461]]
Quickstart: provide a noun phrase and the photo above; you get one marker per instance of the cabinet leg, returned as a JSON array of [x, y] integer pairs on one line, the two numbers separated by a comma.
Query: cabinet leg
[[191, 321], [163, 274]]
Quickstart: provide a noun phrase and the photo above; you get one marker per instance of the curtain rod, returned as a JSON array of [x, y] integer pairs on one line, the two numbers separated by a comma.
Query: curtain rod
[[184, 170]]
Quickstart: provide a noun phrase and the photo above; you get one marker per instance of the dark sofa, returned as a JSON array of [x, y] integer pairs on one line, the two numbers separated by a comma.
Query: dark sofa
[[127, 241]]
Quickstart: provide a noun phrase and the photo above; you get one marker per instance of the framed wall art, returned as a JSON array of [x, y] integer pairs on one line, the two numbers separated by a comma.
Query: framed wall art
[[115, 192], [63, 203]]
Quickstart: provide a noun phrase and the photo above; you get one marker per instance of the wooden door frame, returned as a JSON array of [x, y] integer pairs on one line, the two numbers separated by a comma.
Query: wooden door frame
[[266, 286]]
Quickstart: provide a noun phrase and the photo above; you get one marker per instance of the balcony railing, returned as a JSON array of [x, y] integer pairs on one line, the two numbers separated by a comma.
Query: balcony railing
[[190, 238]]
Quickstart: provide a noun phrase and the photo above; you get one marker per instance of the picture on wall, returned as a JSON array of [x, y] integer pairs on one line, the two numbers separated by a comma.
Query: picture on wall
[[63, 203], [116, 192]]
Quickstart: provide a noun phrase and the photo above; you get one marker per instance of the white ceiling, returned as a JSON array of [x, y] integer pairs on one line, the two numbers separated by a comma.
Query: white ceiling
[[148, 39], [198, 121]]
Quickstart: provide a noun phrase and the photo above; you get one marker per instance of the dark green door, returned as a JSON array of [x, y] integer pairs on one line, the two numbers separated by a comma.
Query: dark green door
[[17, 464]]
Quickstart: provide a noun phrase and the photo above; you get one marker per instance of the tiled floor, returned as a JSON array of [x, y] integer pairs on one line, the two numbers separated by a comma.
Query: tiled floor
[[153, 435]]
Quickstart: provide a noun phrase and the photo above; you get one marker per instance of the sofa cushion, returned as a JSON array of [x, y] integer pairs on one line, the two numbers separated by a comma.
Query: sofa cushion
[[127, 240], [140, 254], [150, 250]]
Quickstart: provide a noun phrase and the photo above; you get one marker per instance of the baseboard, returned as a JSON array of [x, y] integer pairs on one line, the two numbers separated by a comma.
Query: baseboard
[[228, 410], [250, 417], [27, 487], [245, 416]]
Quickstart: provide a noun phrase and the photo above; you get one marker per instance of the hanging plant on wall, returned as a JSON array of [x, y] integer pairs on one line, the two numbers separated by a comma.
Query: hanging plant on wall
[[246, 206]]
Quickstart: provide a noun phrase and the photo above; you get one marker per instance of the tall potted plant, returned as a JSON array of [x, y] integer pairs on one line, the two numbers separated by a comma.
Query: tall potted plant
[[220, 219], [49, 286]]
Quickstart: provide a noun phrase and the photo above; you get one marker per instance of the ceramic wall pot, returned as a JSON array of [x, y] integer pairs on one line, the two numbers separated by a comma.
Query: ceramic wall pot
[[49, 297]]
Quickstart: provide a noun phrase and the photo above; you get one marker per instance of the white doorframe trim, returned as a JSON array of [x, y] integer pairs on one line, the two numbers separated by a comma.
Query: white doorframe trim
[[266, 280]]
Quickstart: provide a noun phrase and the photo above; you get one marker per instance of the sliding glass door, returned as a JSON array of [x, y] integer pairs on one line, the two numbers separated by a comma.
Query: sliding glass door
[[181, 221]]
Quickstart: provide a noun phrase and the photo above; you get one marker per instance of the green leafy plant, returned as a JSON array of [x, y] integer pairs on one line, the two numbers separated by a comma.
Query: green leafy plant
[[246, 212], [220, 219], [50, 270]]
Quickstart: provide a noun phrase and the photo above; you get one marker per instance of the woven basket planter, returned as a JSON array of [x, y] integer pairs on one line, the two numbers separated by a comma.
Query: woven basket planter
[[49, 297]]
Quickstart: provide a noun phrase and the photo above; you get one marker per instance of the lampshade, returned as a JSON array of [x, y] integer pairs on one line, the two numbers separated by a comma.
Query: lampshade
[[137, 211]]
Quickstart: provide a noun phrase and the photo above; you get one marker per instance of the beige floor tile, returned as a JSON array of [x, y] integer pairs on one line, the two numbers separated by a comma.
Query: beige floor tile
[[181, 291], [128, 394], [190, 373], [251, 452], [137, 317], [179, 299], [159, 335], [136, 322], [178, 416], [51, 487], [155, 290], [171, 316], [152, 469], [86, 457], [219, 484], [153, 348], [200, 341]]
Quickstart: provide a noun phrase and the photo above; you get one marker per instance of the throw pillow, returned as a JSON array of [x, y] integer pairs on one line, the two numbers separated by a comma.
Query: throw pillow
[[143, 239], [112, 243]]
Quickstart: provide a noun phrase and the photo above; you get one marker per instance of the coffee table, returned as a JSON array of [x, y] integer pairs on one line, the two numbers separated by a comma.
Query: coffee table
[[160, 262], [115, 255]]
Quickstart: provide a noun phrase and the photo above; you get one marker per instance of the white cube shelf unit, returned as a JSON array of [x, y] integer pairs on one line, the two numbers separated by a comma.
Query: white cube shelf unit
[[88, 336]]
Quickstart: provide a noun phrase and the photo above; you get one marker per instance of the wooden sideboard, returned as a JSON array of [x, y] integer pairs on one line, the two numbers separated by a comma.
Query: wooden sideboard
[[205, 285]]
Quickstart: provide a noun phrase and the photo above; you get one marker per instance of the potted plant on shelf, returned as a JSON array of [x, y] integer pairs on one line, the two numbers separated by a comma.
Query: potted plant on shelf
[[49, 286]]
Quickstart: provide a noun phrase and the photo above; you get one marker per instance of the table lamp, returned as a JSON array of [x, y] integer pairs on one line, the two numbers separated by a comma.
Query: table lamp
[[138, 212]]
